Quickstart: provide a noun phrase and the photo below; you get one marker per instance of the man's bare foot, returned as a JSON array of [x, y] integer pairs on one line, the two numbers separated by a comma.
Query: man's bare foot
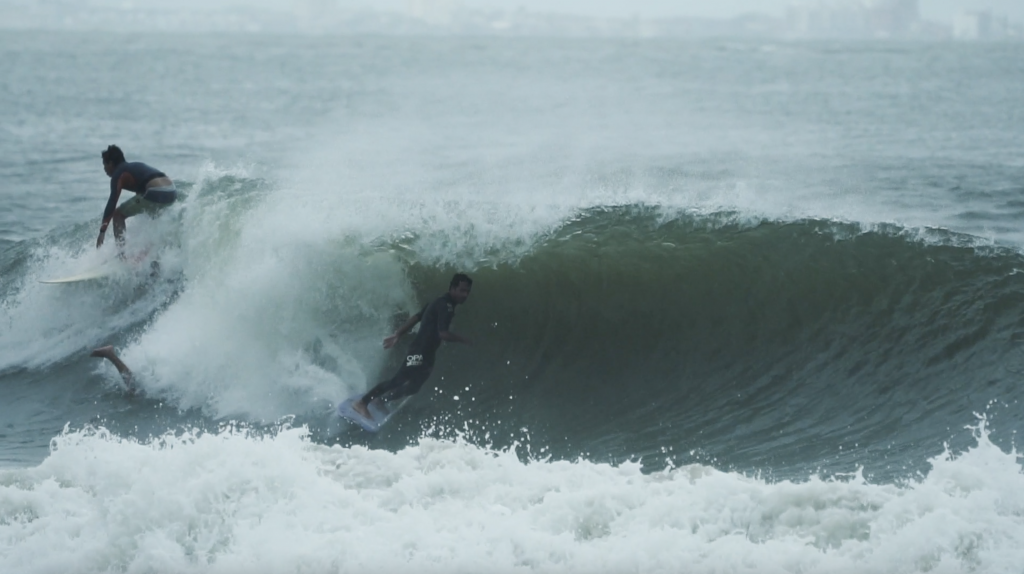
[[360, 407], [104, 353]]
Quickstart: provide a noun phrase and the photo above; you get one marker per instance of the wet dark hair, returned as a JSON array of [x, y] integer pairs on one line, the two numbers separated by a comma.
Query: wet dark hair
[[114, 155], [458, 279]]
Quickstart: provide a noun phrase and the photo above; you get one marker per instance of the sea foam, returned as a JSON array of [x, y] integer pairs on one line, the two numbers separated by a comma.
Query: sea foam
[[237, 501]]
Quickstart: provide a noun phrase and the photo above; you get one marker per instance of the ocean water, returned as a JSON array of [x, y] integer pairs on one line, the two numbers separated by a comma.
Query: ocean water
[[738, 306]]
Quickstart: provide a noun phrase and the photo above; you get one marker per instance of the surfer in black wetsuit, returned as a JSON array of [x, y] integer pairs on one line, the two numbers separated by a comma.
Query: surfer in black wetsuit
[[435, 319], [153, 188]]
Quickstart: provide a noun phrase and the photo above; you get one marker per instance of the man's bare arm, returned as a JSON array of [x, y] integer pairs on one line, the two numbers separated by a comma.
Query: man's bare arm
[[124, 181], [391, 340]]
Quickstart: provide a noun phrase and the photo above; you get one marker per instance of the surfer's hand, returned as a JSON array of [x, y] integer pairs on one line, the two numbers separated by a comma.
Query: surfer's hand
[[390, 341], [99, 240]]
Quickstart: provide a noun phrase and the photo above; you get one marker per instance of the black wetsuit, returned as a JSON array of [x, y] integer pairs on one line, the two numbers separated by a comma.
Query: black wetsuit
[[419, 361]]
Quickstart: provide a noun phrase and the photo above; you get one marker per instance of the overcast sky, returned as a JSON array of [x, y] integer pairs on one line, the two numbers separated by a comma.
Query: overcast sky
[[941, 10], [937, 10]]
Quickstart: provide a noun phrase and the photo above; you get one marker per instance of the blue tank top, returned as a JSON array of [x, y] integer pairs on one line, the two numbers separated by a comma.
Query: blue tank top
[[142, 174]]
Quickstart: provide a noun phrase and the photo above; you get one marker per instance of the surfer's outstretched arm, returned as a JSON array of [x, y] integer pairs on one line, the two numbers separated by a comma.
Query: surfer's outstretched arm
[[391, 340], [360, 405], [109, 354]]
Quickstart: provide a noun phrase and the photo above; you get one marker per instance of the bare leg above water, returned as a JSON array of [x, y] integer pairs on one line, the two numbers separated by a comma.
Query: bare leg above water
[[109, 354]]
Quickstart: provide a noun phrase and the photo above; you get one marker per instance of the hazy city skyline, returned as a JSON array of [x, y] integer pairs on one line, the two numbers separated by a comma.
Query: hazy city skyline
[[969, 19], [942, 10]]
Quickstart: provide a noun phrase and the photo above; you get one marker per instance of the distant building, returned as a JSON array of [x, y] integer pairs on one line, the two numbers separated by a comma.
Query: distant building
[[984, 26], [847, 18], [893, 17], [972, 25], [854, 18]]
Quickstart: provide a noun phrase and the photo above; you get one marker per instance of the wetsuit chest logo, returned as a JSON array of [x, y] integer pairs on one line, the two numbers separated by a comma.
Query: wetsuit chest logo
[[414, 360]]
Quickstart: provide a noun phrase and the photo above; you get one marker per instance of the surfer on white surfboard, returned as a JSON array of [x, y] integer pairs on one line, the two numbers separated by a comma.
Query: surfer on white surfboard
[[154, 191], [435, 319]]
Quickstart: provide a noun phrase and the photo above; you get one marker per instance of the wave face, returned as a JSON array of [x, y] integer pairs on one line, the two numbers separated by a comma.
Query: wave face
[[613, 333], [770, 345]]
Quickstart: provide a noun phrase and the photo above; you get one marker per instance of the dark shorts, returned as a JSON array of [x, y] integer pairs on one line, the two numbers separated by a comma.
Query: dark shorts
[[407, 381], [151, 202]]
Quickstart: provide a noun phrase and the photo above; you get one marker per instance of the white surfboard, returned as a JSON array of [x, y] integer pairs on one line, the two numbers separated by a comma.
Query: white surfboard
[[380, 412], [101, 270], [94, 273]]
